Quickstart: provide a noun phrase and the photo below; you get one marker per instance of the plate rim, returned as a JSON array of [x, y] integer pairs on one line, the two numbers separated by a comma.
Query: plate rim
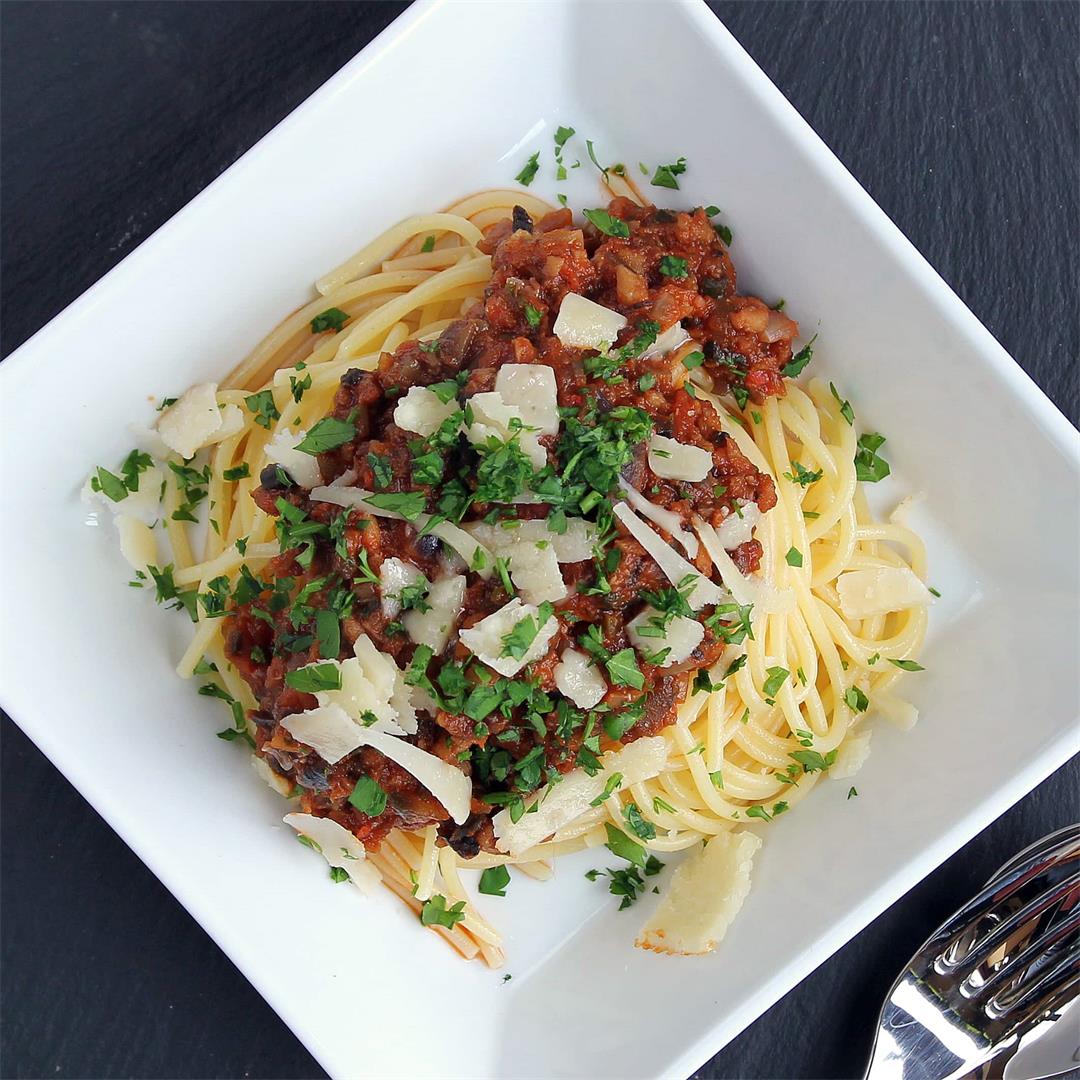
[[856, 201]]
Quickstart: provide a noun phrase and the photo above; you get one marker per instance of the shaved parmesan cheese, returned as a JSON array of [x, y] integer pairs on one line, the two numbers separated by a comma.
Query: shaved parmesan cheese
[[674, 460], [531, 387], [337, 846], [401, 701], [668, 341], [572, 796], [574, 545], [137, 543], [190, 422], [303, 468], [579, 680], [865, 593], [144, 504], [851, 755], [485, 638], [279, 783], [745, 588], [395, 575], [897, 711], [328, 730], [448, 784], [232, 423], [738, 527], [491, 418], [476, 556], [534, 570], [681, 636], [703, 897], [433, 627], [668, 520], [583, 324], [674, 566], [421, 410], [379, 668]]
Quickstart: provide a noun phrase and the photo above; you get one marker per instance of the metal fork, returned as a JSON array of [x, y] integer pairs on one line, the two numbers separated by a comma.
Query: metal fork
[[1001, 964]]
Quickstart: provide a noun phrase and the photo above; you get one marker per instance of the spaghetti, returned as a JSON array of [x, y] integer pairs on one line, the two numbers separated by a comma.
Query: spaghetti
[[331, 460]]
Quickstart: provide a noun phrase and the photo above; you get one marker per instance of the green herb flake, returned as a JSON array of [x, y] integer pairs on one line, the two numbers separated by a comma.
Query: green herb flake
[[493, 881], [436, 913], [794, 557], [606, 223], [328, 434], [673, 267], [906, 665], [330, 319], [314, 678], [529, 170], [665, 174]]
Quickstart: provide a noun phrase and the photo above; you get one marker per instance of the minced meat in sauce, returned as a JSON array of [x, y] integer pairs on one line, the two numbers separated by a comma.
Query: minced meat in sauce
[[671, 267]]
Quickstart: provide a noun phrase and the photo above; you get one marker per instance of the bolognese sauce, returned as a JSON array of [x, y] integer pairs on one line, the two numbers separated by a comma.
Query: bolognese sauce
[[669, 275]]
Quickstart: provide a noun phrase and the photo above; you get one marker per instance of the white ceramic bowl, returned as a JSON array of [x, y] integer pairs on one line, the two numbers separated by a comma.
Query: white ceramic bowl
[[441, 105]]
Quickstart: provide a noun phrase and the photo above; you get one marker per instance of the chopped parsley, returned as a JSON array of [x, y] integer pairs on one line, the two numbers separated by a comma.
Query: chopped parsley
[[314, 678], [673, 267], [239, 472], [330, 319], [870, 467], [856, 700], [409, 504], [606, 223], [493, 881], [623, 669], [338, 875], [803, 357], [368, 797], [428, 244], [846, 410], [906, 665], [777, 677], [793, 557], [665, 174], [436, 913], [529, 170], [620, 844], [803, 476], [328, 434], [812, 761], [262, 405]]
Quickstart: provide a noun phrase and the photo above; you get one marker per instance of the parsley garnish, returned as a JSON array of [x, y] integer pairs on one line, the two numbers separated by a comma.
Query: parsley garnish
[[802, 475], [493, 881], [870, 467], [606, 223], [331, 319], [328, 434], [906, 665], [665, 174], [856, 700], [812, 761], [262, 405], [368, 797], [409, 504], [428, 244], [314, 678], [381, 469], [673, 267], [800, 359], [614, 781], [846, 410], [436, 913], [794, 557], [777, 677], [620, 844], [623, 669], [338, 875], [529, 171], [240, 472], [642, 829]]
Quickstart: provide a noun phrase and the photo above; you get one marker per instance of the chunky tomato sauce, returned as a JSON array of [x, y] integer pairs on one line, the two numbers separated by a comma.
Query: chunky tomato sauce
[[669, 267]]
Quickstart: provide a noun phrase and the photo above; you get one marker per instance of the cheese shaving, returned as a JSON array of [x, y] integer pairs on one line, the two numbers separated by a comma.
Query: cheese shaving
[[704, 895]]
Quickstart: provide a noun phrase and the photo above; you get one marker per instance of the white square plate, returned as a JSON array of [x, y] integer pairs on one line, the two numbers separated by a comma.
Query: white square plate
[[442, 104]]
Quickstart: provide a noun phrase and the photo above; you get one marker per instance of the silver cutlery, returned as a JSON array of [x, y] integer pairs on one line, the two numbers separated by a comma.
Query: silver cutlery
[[1006, 961]]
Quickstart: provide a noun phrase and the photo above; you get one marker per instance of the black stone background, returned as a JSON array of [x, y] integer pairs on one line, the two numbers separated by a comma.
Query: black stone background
[[960, 119]]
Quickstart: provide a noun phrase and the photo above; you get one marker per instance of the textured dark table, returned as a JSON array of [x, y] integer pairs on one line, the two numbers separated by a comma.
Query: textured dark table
[[961, 120]]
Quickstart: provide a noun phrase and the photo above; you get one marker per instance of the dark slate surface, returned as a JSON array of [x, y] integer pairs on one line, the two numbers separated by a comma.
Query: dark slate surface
[[960, 120]]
